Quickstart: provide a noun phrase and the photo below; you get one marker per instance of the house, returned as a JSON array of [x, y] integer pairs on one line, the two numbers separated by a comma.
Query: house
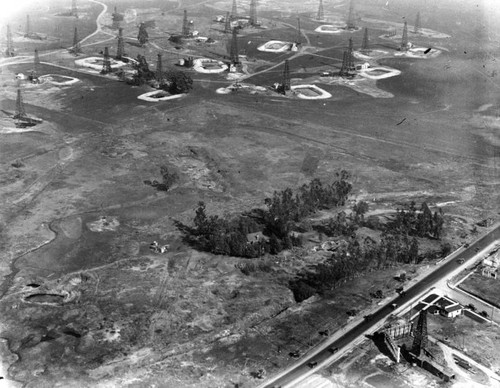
[[256, 237], [490, 272], [452, 311]]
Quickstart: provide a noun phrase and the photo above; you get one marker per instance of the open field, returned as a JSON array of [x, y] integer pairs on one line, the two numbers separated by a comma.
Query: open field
[[485, 288], [84, 299]]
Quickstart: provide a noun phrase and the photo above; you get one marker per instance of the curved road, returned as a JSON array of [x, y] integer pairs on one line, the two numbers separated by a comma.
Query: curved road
[[324, 357]]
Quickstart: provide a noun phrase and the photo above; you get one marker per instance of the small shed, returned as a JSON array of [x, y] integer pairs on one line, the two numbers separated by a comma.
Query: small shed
[[452, 311]]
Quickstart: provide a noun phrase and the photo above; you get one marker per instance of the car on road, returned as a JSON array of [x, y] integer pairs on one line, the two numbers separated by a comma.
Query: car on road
[[333, 350], [312, 364], [294, 354], [461, 261]]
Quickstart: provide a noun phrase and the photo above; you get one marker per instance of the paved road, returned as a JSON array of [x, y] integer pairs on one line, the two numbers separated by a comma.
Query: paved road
[[449, 266]]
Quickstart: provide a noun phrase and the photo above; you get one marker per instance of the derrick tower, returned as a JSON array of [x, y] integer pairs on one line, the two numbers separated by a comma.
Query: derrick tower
[[233, 52], [185, 25], [347, 61], [420, 338], [9, 52], [404, 39], [36, 61], [253, 12], [321, 11], [298, 38], [350, 17], [286, 77], [106, 63], [75, 49], [364, 43], [74, 9], [417, 24], [120, 50], [20, 110], [159, 69], [28, 25], [234, 10], [227, 23]]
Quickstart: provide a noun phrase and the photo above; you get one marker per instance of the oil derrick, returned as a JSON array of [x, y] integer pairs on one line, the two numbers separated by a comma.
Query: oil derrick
[[233, 52], [106, 63], [28, 26], [234, 10], [347, 61], [321, 11], [75, 49], [285, 85], [420, 334], [404, 40], [350, 17], [159, 69], [20, 111], [227, 24], [9, 52], [298, 38], [120, 51], [74, 9], [364, 43], [417, 24], [253, 12], [36, 59], [185, 25]]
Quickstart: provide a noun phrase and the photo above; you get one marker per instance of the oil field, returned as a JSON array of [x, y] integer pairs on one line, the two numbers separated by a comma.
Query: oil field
[[250, 193]]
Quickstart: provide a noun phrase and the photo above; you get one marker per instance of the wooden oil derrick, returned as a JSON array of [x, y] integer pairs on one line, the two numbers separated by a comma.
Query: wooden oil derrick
[[234, 10], [420, 338], [75, 49], [9, 52], [233, 51], [417, 27], [298, 37], [20, 110], [227, 24], [28, 26], [350, 17], [253, 12], [404, 39], [347, 68], [74, 9], [159, 69], [106, 63], [364, 43], [120, 47], [321, 11], [185, 25], [286, 77]]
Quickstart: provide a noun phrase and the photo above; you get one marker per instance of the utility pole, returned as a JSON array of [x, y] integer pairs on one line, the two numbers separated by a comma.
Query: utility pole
[[75, 49], [253, 12], [120, 49], [417, 24], [9, 52], [321, 11], [350, 17], [185, 25], [234, 10], [404, 39], [227, 23], [364, 44], [106, 63], [233, 53], [159, 69]]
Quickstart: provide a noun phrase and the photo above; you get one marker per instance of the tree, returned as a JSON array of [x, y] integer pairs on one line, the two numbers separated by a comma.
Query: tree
[[177, 82], [360, 209], [143, 35]]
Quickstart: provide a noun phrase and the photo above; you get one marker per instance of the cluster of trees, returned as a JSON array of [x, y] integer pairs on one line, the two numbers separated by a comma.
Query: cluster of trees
[[143, 35], [172, 81], [277, 221], [337, 226], [421, 223], [353, 258]]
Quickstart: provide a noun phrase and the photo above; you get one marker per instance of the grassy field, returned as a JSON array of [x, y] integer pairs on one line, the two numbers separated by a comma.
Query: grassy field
[[485, 288]]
